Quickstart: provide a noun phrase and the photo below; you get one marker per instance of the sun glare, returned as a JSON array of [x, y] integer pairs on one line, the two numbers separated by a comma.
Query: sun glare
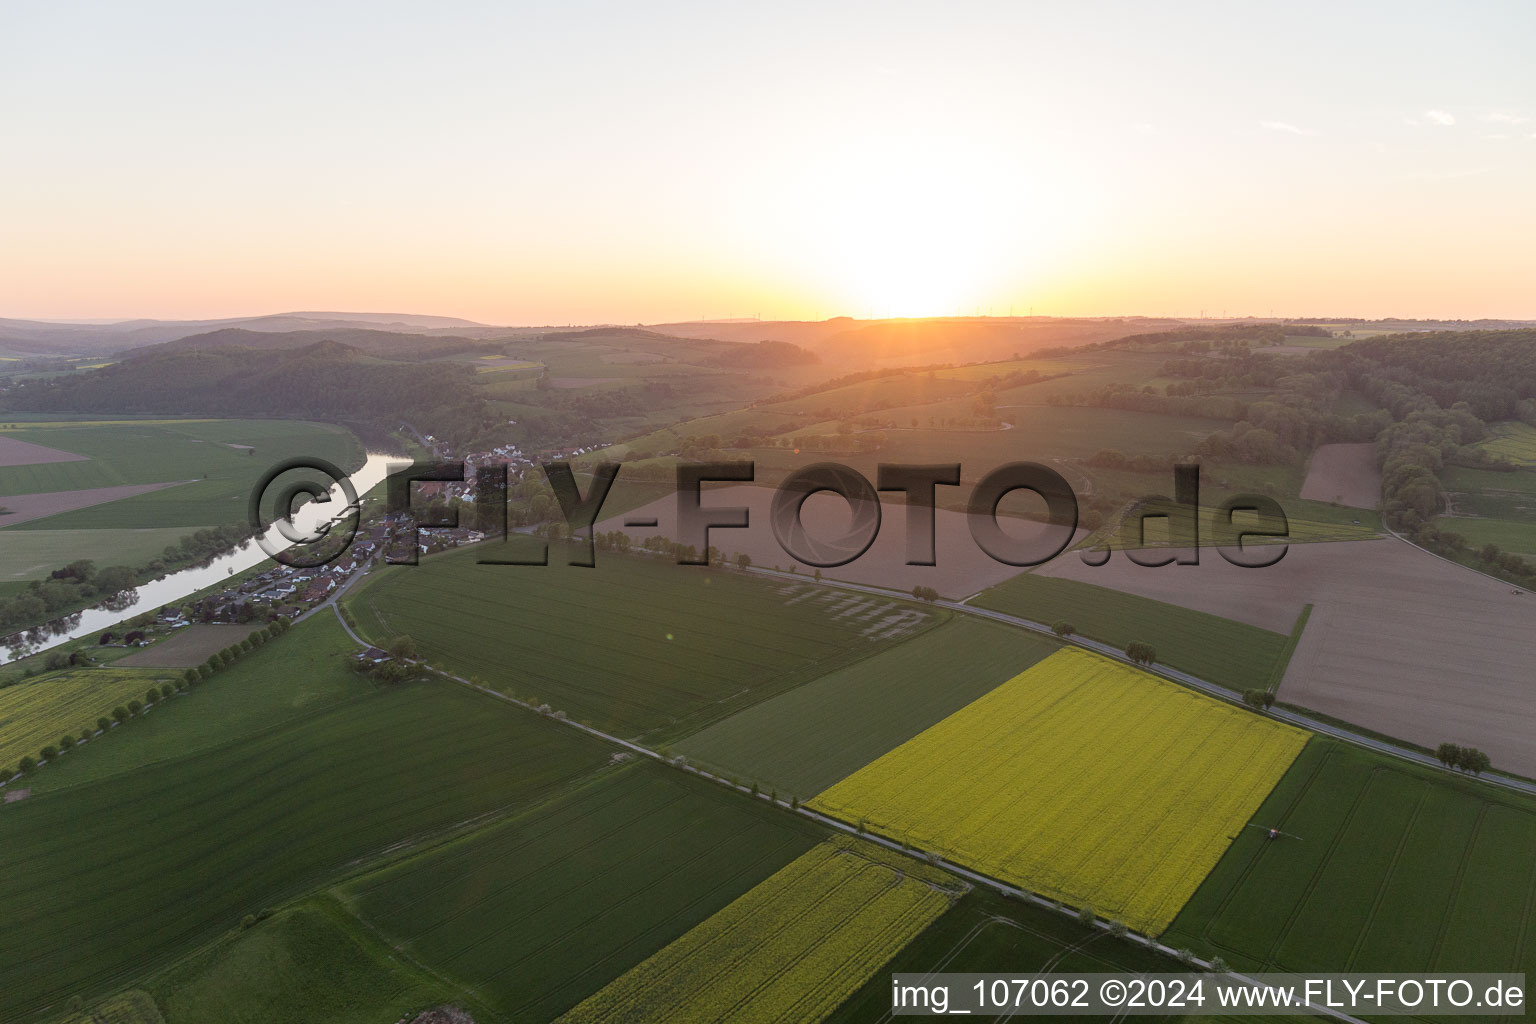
[[903, 230]]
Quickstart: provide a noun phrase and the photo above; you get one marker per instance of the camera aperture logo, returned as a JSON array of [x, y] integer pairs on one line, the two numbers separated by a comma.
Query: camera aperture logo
[[333, 513]]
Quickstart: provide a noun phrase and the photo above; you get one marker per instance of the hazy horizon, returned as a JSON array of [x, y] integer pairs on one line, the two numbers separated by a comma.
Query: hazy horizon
[[601, 163]]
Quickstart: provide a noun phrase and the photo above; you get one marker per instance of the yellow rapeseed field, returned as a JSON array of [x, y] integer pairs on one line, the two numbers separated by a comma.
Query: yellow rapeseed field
[[790, 950], [1082, 779], [38, 712]]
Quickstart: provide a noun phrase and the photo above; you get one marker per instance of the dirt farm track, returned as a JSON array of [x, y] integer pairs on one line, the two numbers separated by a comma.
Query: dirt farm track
[[1399, 641]]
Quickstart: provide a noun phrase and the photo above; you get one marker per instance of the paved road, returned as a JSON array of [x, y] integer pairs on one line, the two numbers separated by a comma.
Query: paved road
[[1184, 678], [974, 877]]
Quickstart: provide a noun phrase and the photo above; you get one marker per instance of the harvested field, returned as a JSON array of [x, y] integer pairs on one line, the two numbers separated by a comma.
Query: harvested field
[[14, 452], [24, 507], [962, 568], [1399, 641], [1345, 474], [188, 647]]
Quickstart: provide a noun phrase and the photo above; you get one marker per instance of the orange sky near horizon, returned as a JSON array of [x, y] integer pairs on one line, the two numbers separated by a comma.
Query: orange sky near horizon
[[607, 163]]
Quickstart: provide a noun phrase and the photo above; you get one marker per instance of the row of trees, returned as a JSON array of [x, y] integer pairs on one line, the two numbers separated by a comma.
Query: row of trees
[[1463, 759], [154, 695]]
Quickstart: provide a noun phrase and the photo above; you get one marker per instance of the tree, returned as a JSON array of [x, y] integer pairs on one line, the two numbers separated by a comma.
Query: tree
[[66, 742], [1470, 759], [1259, 700], [403, 648], [1140, 652], [103, 724], [204, 671], [49, 752], [27, 765], [152, 695], [134, 707], [743, 561], [121, 713], [190, 677], [1447, 754], [1063, 628], [923, 593], [166, 689]]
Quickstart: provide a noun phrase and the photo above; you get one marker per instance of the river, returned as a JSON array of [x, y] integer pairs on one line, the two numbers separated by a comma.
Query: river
[[177, 585]]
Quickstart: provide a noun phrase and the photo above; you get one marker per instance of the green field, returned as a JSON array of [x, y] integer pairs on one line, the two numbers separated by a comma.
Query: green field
[[33, 554], [1484, 492], [1233, 654], [304, 964], [143, 451], [108, 881], [1511, 440], [306, 672], [1398, 868], [1518, 537], [536, 913], [636, 645], [803, 741], [132, 1007]]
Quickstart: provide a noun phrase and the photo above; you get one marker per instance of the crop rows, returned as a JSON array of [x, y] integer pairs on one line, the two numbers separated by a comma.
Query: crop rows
[[792, 949]]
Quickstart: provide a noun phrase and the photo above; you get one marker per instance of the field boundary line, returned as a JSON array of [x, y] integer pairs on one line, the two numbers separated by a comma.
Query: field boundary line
[[1288, 651], [1185, 679], [975, 877]]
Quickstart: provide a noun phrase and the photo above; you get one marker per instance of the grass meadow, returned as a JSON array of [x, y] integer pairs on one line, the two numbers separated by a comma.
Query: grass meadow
[[310, 962]]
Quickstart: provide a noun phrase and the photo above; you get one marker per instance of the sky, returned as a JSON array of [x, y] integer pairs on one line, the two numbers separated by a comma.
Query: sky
[[583, 162]]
